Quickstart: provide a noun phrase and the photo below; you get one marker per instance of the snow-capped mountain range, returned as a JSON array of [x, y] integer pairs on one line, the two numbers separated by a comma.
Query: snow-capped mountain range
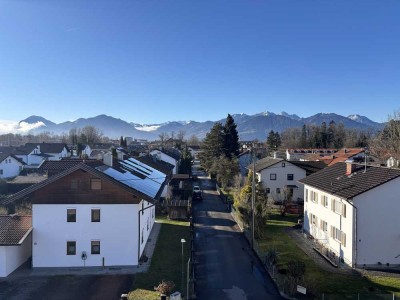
[[249, 127]]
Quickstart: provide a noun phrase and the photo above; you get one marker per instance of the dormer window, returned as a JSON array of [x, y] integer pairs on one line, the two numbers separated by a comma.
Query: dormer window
[[283, 165]]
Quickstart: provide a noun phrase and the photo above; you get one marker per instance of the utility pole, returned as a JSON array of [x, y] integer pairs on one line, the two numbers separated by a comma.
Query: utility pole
[[253, 197]]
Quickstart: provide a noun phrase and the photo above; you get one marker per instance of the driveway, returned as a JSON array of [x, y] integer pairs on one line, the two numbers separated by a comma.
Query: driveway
[[227, 268], [107, 287]]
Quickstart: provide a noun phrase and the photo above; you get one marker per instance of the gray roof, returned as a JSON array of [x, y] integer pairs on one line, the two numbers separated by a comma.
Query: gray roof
[[47, 147], [3, 156], [13, 229], [264, 163], [334, 180], [82, 166]]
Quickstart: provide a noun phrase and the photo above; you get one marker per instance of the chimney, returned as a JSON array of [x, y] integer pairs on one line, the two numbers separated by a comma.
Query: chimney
[[349, 167]]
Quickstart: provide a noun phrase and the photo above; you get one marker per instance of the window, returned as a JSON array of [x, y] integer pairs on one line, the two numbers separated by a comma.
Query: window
[[278, 190], [1, 171], [143, 208], [314, 219], [268, 190], [142, 235], [324, 200], [283, 165], [95, 214], [9, 160], [71, 248], [148, 224], [74, 184], [338, 235], [152, 212], [272, 176], [95, 247], [95, 184], [314, 196], [71, 215], [338, 207], [306, 193], [324, 226], [290, 177]]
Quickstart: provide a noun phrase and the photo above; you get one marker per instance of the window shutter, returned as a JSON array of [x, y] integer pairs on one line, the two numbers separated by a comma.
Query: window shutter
[[343, 239], [316, 198], [332, 232], [333, 204], [344, 210]]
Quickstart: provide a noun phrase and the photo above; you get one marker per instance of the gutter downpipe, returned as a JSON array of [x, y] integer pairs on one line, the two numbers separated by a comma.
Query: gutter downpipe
[[141, 210], [355, 233]]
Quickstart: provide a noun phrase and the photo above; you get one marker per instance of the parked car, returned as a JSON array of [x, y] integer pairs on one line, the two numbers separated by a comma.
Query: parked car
[[197, 195]]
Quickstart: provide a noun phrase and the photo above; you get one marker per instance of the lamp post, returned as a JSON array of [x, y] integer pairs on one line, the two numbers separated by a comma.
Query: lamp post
[[183, 272]]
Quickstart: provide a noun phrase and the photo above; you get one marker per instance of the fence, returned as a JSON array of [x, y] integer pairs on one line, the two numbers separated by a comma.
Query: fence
[[191, 265], [359, 297]]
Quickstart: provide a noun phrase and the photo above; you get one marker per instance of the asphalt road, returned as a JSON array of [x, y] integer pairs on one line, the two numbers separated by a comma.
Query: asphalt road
[[227, 268]]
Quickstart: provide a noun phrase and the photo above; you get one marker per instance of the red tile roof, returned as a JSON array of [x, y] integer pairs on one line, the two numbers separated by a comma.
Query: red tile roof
[[13, 229]]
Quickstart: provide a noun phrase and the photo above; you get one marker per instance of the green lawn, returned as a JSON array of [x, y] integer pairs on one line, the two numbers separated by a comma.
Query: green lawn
[[319, 281], [167, 260]]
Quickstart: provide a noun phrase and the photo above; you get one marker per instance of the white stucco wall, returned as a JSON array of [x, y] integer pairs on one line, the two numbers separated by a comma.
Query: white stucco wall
[[332, 218], [10, 169], [378, 225], [117, 232], [58, 156], [147, 216], [281, 179], [11, 257]]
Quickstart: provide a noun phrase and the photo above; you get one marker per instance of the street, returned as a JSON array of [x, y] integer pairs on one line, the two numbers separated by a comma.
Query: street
[[227, 268]]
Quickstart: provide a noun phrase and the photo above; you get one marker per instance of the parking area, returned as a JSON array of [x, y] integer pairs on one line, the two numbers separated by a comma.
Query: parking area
[[63, 287]]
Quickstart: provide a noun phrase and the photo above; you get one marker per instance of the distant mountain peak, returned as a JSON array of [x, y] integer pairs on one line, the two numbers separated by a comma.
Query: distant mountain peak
[[292, 116], [36, 119]]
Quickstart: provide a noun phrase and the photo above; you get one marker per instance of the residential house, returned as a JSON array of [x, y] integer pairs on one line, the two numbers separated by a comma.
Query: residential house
[[10, 165], [171, 156], [15, 242], [302, 153], [53, 151], [30, 154], [351, 211], [279, 177], [93, 216]]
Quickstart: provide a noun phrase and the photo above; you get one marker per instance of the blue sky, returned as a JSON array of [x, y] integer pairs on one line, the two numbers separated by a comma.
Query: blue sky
[[154, 61]]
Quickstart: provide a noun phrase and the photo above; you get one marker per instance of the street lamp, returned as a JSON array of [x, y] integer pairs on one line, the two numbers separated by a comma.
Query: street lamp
[[183, 277]]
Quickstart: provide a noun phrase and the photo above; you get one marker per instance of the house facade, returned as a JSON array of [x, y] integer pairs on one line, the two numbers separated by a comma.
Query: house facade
[[10, 166], [280, 177], [15, 242], [93, 216], [352, 213]]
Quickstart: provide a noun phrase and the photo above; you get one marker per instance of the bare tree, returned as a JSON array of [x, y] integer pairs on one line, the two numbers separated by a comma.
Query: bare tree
[[387, 142], [163, 137], [181, 135]]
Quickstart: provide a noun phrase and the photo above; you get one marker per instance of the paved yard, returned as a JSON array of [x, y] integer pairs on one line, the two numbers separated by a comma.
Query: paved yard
[[65, 287]]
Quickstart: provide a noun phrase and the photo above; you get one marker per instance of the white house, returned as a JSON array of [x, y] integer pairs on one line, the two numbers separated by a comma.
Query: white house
[[10, 165], [30, 155], [53, 151], [170, 156], [279, 177], [352, 212], [15, 242], [93, 216]]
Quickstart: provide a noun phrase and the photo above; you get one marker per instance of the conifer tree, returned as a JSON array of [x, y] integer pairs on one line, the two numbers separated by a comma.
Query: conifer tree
[[231, 138]]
